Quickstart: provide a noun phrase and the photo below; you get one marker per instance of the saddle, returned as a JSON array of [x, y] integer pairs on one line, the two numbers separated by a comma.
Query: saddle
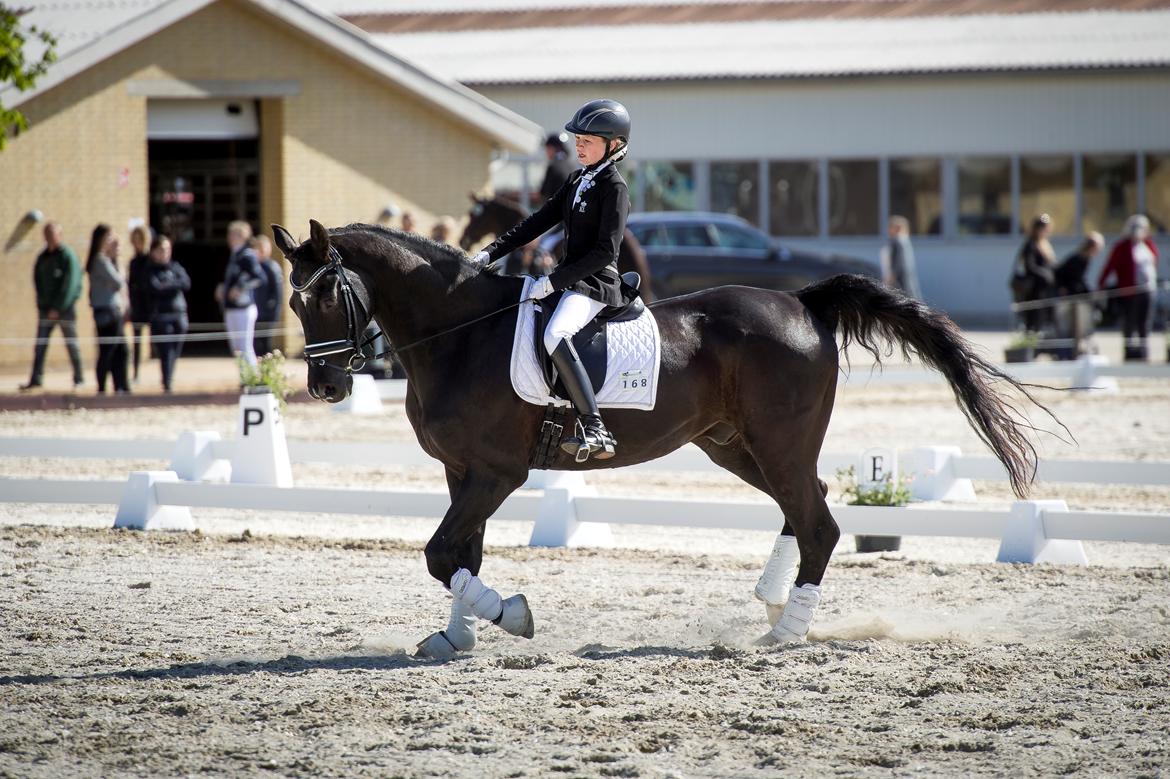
[[591, 342]]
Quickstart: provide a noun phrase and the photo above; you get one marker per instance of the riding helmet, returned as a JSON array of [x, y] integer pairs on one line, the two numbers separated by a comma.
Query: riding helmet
[[604, 118]]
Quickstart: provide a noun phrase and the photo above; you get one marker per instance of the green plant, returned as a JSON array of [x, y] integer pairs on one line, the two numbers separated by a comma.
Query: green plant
[[20, 64], [1024, 339], [887, 492], [268, 372]]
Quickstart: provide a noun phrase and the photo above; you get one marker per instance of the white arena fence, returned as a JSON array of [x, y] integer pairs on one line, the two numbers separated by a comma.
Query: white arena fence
[[568, 512]]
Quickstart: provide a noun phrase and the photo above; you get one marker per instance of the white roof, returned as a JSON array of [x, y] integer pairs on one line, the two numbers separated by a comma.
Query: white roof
[[90, 31], [793, 49], [341, 7]]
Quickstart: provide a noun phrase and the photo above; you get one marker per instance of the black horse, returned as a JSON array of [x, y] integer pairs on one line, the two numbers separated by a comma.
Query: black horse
[[748, 375], [496, 216]]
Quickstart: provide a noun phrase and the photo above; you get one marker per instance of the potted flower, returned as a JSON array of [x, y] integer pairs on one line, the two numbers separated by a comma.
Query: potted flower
[[1022, 348], [266, 377], [886, 492]]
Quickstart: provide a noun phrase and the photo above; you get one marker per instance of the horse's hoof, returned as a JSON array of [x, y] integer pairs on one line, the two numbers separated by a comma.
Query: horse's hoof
[[516, 617], [436, 646], [777, 637]]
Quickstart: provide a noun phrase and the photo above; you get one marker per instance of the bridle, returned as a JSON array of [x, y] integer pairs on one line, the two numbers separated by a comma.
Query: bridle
[[315, 353]]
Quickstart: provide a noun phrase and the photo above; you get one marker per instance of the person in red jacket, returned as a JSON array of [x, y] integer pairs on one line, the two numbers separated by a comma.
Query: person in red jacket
[[1133, 262]]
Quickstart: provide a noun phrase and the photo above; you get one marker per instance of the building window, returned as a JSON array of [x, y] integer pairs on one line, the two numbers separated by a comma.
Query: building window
[[985, 196], [1047, 187], [735, 189], [853, 197], [916, 193], [1158, 192], [1110, 191], [670, 186], [794, 188]]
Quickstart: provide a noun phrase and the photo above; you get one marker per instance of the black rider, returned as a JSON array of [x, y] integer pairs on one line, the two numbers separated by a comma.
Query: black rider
[[593, 204]]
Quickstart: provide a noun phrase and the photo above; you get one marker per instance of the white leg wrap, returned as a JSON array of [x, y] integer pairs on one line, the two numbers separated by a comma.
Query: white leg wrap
[[461, 627], [776, 580], [481, 600], [798, 614]]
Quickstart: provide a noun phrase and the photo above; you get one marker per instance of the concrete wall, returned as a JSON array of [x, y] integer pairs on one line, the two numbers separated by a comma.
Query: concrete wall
[[339, 151]]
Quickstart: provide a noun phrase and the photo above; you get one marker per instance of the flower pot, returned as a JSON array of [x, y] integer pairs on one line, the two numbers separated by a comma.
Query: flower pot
[[262, 389], [1019, 354], [877, 543]]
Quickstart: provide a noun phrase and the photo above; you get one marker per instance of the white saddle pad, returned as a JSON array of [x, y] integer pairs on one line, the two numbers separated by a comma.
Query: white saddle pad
[[632, 362]]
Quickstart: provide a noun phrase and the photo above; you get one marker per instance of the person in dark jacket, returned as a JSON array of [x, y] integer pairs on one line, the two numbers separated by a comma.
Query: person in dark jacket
[[136, 281], [1034, 274], [268, 295], [1069, 276], [241, 278], [593, 204], [57, 277], [108, 300], [560, 164], [167, 281]]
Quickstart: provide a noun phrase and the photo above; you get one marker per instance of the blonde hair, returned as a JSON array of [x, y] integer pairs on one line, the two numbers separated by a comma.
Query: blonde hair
[[901, 223], [142, 233], [240, 228]]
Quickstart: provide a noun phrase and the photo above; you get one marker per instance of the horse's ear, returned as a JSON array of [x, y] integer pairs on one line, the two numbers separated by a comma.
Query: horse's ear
[[283, 240], [319, 237]]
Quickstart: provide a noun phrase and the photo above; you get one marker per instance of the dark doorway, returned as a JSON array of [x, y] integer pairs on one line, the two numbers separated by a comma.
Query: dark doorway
[[196, 189]]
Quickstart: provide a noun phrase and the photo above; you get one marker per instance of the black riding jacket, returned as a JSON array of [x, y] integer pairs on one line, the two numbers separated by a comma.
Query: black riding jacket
[[593, 227]]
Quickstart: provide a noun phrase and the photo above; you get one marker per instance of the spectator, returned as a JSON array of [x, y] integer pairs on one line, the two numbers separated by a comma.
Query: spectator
[[57, 277], [1134, 264], [1033, 278], [241, 278], [167, 281], [898, 268], [407, 222], [109, 308], [560, 164], [1070, 274], [268, 295], [443, 229], [139, 289]]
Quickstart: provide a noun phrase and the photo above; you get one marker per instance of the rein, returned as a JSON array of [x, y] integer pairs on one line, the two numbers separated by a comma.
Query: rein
[[353, 342]]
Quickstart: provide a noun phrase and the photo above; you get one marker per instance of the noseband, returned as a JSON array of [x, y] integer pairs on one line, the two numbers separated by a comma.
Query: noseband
[[315, 353]]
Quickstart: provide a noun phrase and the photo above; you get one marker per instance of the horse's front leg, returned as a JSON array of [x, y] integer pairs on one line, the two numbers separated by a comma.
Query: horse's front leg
[[453, 557]]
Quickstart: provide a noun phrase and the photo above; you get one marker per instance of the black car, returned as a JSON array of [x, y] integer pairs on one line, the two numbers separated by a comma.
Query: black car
[[689, 251]]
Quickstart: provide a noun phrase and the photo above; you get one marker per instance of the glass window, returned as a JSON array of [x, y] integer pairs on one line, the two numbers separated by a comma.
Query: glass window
[[735, 237], [1158, 192], [687, 235], [985, 196], [853, 197], [670, 186], [735, 189], [794, 188], [1110, 191], [1046, 187], [916, 193], [649, 235]]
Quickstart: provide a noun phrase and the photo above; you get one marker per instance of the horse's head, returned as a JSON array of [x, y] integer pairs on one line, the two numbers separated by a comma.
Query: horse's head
[[334, 307], [479, 222]]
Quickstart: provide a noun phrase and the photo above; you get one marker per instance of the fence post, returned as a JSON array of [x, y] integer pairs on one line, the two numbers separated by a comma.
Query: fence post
[[140, 509], [1086, 375], [933, 469], [1025, 541], [556, 521], [193, 457]]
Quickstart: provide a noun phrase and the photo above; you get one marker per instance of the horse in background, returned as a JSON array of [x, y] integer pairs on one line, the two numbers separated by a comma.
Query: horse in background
[[497, 215]]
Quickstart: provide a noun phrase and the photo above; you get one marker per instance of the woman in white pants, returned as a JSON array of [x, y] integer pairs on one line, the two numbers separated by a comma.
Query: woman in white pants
[[242, 276]]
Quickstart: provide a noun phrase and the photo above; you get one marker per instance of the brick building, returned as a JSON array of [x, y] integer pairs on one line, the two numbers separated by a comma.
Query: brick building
[[190, 113]]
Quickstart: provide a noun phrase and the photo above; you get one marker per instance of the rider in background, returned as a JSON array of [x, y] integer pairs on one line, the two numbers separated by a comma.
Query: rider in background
[[560, 164], [592, 204]]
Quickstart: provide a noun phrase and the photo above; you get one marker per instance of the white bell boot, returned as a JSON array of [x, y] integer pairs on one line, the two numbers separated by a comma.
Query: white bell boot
[[793, 625], [776, 581], [512, 614], [458, 637]]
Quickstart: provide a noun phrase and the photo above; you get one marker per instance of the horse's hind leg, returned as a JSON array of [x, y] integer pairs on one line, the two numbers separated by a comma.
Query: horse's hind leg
[[775, 583]]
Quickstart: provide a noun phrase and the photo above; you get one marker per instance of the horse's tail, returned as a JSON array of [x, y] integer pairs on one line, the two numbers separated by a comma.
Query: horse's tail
[[862, 308]]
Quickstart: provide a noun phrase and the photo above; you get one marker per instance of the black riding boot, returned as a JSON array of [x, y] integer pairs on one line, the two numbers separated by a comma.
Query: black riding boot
[[590, 437]]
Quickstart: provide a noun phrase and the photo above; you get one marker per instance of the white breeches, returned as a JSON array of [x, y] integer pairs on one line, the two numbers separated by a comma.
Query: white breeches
[[241, 324], [573, 313]]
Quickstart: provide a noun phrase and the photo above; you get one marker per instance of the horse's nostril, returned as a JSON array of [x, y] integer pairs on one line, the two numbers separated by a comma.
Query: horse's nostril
[[329, 391]]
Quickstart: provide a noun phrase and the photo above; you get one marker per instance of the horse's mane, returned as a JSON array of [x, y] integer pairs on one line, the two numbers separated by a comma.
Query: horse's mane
[[447, 260], [510, 204]]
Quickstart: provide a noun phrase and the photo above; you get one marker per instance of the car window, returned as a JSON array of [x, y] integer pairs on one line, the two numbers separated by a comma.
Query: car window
[[649, 235], [687, 235], [735, 237]]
